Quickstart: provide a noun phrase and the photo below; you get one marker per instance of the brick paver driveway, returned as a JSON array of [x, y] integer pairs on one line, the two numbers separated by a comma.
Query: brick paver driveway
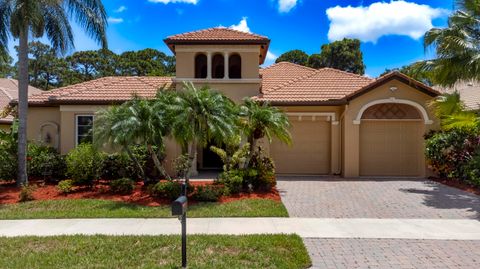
[[319, 197], [323, 197]]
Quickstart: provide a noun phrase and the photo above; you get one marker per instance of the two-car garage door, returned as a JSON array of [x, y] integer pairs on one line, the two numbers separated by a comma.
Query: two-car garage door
[[310, 149]]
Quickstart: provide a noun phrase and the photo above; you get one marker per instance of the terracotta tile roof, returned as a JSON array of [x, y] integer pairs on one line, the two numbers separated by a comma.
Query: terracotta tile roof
[[390, 76], [469, 93], [105, 90], [290, 83], [220, 35], [9, 92], [281, 73], [216, 34]]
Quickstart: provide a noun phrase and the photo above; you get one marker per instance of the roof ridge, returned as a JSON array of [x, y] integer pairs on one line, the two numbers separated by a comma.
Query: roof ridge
[[290, 82], [6, 93], [347, 73], [214, 28], [290, 63]]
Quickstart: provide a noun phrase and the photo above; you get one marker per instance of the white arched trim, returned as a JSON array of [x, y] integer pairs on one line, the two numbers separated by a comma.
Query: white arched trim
[[419, 107]]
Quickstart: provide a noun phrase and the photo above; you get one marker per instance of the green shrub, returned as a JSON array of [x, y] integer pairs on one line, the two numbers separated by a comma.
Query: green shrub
[[45, 161], [166, 189], [26, 193], [8, 150], [472, 170], [265, 171], [65, 186], [208, 193], [232, 180], [84, 164], [449, 152], [119, 165], [122, 186]]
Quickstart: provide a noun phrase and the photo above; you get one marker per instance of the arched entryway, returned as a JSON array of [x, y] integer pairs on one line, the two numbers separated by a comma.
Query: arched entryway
[[391, 140]]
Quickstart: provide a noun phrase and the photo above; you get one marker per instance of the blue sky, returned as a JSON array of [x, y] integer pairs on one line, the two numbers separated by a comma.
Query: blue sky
[[390, 30]]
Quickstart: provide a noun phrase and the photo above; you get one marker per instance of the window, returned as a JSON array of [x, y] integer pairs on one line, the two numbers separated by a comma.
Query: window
[[201, 66], [218, 66], [235, 66], [84, 129]]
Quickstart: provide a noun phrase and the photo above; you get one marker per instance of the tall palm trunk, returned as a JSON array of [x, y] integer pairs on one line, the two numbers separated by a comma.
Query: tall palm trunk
[[157, 162], [22, 177], [253, 143], [135, 160]]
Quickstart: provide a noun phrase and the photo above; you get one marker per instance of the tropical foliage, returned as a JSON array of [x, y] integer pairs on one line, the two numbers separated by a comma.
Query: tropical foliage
[[21, 19], [457, 46], [454, 152]]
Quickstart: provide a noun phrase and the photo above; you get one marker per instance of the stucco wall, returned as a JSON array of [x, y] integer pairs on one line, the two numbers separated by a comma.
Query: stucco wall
[[351, 131], [5, 127], [185, 58], [49, 117]]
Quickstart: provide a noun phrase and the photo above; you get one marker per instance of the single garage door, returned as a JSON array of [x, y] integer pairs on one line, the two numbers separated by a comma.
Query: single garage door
[[310, 149], [391, 147]]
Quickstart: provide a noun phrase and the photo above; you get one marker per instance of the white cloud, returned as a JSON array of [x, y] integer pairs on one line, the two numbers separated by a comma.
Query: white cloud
[[114, 20], [241, 26], [381, 18], [285, 6], [174, 1], [270, 56], [120, 9]]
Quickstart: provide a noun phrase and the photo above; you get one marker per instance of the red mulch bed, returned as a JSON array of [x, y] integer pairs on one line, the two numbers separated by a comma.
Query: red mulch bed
[[9, 194], [457, 184]]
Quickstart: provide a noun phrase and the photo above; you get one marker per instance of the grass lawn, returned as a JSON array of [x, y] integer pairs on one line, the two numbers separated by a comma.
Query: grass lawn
[[92, 208], [204, 251]]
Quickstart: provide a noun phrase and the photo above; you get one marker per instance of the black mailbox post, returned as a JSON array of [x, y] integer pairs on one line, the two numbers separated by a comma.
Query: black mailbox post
[[179, 208]]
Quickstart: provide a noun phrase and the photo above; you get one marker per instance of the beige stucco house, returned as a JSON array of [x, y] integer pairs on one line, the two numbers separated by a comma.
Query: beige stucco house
[[9, 92], [342, 123]]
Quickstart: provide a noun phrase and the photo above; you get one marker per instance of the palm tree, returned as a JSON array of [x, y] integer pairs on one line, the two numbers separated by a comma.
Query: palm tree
[[200, 116], [262, 120], [112, 127], [452, 113], [24, 18], [138, 121], [457, 46]]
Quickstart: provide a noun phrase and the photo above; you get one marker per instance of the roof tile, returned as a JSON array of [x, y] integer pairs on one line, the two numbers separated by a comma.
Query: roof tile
[[106, 90], [287, 82], [216, 34], [9, 92]]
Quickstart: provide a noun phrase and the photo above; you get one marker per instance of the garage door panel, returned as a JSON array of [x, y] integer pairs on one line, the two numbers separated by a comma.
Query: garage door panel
[[390, 148], [309, 152]]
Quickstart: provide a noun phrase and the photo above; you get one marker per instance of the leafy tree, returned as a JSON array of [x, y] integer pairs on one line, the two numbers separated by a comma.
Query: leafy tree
[[452, 113], [293, 56], [315, 61], [457, 46], [343, 55], [93, 63], [138, 121], [112, 130], [200, 116], [6, 68], [147, 62], [263, 120], [25, 18], [43, 65], [415, 71]]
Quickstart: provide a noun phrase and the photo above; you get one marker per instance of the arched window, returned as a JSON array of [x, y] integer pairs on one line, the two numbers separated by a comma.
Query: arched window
[[201, 66], [218, 66], [235, 66]]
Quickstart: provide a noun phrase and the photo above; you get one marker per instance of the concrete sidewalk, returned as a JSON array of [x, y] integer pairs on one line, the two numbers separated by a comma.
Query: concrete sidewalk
[[447, 229]]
